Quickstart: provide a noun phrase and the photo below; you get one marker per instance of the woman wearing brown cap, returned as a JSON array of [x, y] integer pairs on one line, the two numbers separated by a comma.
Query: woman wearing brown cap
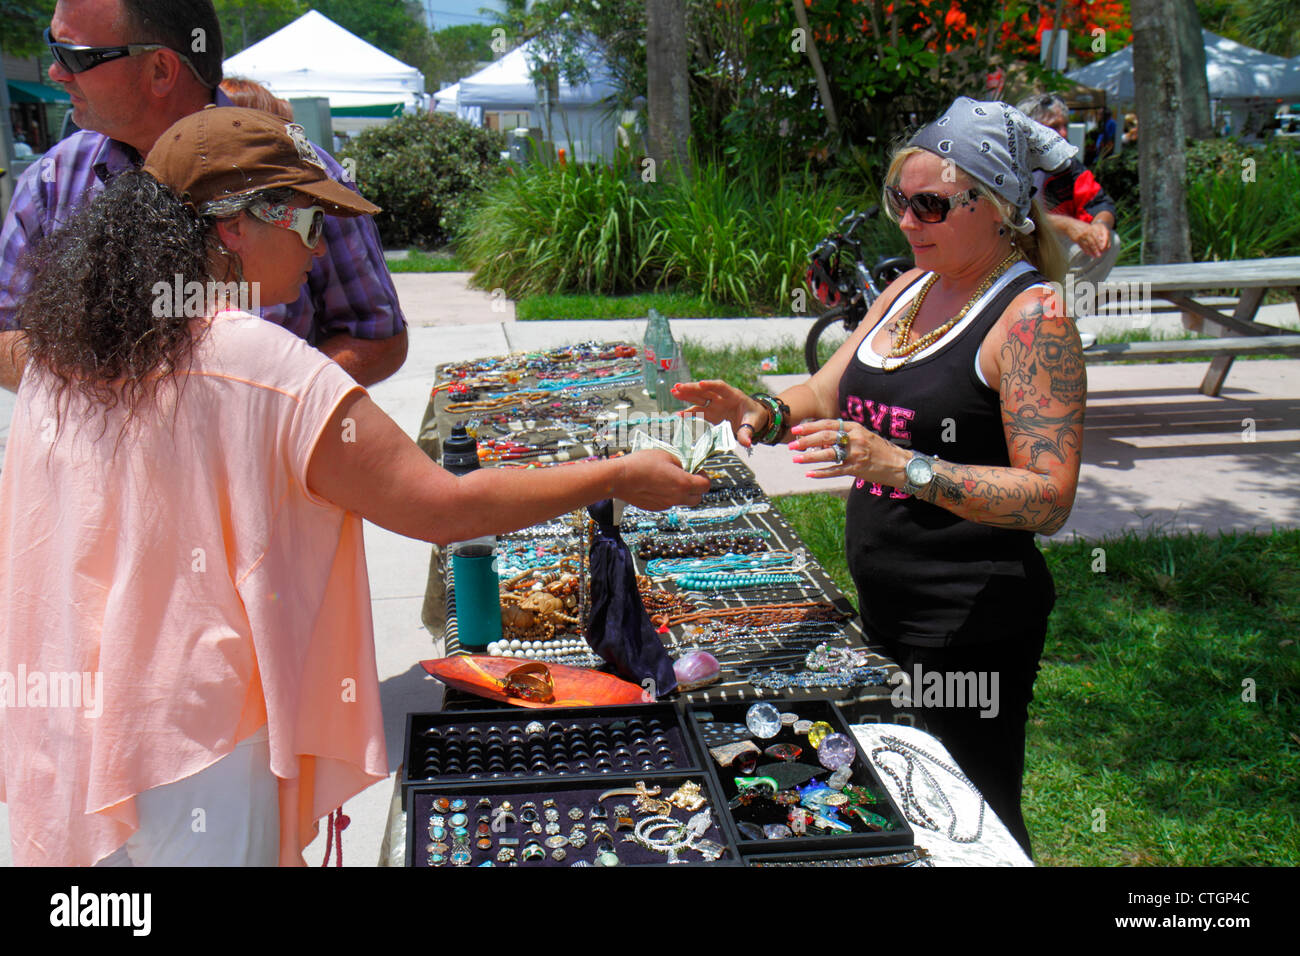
[[187, 666]]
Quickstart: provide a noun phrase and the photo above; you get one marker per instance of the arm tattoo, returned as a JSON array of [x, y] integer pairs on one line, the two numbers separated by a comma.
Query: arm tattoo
[[1043, 388]]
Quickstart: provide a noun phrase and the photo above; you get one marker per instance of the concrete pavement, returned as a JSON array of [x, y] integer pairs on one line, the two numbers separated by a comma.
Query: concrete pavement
[[1157, 454]]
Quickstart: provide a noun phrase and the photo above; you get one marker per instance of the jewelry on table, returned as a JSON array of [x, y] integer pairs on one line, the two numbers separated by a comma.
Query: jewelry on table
[[911, 806]]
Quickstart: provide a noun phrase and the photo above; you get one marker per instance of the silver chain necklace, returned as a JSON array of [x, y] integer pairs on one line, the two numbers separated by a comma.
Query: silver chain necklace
[[912, 808]]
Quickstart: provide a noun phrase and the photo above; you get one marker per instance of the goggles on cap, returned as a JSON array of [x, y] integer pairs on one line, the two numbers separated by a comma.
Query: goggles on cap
[[307, 222], [79, 59]]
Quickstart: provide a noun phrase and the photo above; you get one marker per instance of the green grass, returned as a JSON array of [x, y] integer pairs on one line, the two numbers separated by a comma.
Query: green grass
[[742, 366], [673, 305], [418, 261], [1139, 709]]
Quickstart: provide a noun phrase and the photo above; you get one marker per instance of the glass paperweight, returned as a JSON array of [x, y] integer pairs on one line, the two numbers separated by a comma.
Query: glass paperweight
[[836, 751], [819, 732], [763, 721]]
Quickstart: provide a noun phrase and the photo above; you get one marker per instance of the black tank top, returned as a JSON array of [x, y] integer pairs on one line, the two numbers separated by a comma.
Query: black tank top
[[924, 575]]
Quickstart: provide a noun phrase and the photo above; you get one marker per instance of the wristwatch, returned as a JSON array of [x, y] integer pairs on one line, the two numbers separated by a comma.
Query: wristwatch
[[919, 472]]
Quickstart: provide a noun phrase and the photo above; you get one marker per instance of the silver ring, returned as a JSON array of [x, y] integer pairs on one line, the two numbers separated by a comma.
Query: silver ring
[[842, 429], [842, 441], [840, 453]]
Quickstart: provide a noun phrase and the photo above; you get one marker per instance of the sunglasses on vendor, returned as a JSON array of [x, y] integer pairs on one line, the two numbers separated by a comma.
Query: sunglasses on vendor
[[79, 59], [927, 207], [307, 222]]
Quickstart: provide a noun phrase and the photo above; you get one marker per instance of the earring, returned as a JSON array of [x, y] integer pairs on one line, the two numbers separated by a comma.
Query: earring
[[1002, 230]]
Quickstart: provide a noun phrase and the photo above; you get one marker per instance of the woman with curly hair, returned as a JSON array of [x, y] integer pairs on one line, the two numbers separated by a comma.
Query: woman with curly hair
[[187, 662]]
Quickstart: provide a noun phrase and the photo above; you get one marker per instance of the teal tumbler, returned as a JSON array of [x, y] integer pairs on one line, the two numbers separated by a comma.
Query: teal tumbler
[[477, 594]]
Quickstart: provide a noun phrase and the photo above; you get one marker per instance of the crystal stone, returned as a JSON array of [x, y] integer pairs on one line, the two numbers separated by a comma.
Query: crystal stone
[[764, 720], [840, 778], [819, 732], [836, 751]]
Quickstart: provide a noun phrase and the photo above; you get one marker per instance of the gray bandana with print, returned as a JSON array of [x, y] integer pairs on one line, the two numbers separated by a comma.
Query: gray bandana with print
[[998, 145]]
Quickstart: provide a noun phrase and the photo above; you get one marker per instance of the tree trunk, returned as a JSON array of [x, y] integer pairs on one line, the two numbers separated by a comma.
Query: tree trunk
[[1162, 159], [668, 102], [823, 87], [1196, 88]]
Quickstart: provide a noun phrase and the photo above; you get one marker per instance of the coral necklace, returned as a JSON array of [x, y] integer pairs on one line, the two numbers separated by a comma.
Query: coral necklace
[[905, 350]]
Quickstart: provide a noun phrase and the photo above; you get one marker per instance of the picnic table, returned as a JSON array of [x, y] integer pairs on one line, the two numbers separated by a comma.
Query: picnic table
[[1185, 284]]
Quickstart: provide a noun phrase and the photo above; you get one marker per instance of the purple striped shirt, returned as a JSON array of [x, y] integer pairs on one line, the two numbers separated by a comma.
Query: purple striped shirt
[[348, 291]]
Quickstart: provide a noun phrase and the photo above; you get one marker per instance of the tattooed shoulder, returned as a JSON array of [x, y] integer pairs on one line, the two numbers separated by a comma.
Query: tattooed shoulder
[[1043, 379]]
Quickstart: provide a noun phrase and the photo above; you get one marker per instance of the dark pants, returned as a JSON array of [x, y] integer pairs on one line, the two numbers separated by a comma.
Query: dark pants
[[989, 750]]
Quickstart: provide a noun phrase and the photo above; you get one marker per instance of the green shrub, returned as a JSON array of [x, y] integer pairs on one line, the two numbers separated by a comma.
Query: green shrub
[[735, 241], [1228, 217], [1249, 211], [553, 229], [425, 170]]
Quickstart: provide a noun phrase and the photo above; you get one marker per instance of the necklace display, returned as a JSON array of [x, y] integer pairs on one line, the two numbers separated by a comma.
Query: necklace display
[[760, 614], [911, 806], [687, 517], [698, 545], [904, 349]]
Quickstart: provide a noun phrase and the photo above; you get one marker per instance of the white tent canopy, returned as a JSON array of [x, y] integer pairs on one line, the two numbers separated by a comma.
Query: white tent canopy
[[314, 56], [508, 85], [1234, 72], [580, 119], [444, 101]]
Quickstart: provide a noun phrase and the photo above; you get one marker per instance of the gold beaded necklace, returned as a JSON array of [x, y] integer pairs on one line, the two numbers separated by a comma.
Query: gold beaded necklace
[[905, 351]]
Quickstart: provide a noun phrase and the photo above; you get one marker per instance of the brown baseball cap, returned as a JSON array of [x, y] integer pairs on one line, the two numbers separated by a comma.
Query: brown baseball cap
[[223, 151]]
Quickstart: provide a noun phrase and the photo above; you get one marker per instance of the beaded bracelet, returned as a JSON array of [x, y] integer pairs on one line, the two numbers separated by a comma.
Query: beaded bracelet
[[779, 415]]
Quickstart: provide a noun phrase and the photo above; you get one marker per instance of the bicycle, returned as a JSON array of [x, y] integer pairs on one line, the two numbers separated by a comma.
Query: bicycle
[[840, 280]]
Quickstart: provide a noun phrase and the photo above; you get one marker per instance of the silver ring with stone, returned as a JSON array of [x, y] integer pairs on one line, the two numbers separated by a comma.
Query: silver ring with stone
[[840, 454]]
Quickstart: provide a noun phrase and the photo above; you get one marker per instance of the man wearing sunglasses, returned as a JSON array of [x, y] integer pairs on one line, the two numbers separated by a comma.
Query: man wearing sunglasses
[[132, 68], [1076, 204]]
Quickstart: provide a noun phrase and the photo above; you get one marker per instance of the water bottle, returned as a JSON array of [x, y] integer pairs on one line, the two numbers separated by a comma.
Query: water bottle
[[669, 373], [473, 562], [649, 351]]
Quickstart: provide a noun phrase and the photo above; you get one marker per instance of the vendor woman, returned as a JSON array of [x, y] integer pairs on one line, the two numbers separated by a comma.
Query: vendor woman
[[958, 407], [181, 560]]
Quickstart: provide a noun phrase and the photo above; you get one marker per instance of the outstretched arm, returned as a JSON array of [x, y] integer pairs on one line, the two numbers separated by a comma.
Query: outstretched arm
[[372, 468]]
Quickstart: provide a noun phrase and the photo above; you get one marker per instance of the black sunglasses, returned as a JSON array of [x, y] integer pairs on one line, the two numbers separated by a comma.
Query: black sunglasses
[[928, 207], [79, 59]]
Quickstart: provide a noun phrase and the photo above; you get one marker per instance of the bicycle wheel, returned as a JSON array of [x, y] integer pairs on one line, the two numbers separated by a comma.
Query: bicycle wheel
[[828, 333]]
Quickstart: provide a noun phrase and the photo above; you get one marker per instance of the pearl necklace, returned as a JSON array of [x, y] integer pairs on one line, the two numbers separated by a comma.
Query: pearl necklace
[[906, 351]]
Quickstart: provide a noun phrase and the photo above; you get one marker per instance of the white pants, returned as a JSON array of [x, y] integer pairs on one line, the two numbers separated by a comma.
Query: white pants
[[225, 815]]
